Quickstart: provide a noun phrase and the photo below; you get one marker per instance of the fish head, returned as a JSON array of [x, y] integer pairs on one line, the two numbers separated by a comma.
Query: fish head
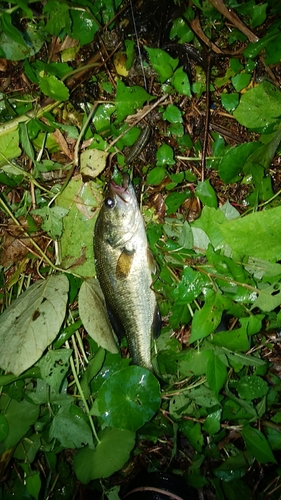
[[119, 214]]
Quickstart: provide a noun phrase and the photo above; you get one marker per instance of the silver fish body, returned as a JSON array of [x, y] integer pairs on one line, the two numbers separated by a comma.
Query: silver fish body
[[123, 266]]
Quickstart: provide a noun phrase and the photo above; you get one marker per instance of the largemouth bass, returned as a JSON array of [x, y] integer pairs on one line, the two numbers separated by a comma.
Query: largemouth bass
[[124, 266]]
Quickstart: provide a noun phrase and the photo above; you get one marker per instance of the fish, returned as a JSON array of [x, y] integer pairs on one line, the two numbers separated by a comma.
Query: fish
[[124, 266]]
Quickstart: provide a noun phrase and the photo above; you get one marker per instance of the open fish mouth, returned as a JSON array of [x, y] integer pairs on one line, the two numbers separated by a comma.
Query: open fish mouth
[[121, 191]]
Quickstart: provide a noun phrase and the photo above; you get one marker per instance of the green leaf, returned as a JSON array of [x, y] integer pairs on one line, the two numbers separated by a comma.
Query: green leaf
[[269, 297], [129, 99], [262, 229], [15, 51], [9, 147], [207, 319], [216, 373], [206, 194], [20, 416], [71, 430], [129, 398], [156, 175], [203, 396], [25, 141], [173, 114], [32, 322], [251, 387], [193, 432], [84, 26], [94, 317], [162, 63], [230, 101], [4, 427], [233, 161], [259, 107], [258, 445], [54, 367], [80, 199], [52, 220], [212, 422], [190, 286], [33, 484], [241, 81], [54, 88], [11, 31], [111, 453], [58, 17], [234, 467], [165, 156], [181, 82], [174, 201]]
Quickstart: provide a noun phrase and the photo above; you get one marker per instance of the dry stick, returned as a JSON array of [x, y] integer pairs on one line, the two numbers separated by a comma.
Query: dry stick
[[137, 121], [207, 116]]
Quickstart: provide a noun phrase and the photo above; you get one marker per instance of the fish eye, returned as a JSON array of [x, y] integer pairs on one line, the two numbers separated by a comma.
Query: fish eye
[[109, 202]]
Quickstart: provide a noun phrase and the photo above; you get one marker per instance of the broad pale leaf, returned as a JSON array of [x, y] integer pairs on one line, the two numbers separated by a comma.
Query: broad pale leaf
[[256, 235], [93, 315], [92, 163], [32, 322]]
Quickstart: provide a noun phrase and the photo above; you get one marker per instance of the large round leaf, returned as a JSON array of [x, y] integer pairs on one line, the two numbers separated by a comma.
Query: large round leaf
[[32, 322], [110, 455], [129, 398]]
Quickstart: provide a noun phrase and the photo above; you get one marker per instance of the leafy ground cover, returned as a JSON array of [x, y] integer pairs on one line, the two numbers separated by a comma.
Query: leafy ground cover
[[188, 97]]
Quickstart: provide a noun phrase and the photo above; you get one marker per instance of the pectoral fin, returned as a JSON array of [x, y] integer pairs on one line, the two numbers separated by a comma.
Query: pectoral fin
[[124, 264], [151, 261]]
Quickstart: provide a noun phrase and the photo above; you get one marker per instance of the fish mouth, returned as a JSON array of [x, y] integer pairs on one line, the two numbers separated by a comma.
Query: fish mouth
[[120, 191]]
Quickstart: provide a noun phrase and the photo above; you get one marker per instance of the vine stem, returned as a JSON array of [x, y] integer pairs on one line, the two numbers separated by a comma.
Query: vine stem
[[80, 390]]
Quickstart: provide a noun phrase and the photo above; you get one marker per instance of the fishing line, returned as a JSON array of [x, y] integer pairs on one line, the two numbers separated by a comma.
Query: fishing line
[[138, 45]]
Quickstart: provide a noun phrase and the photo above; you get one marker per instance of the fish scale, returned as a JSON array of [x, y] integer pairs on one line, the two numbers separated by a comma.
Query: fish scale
[[123, 268]]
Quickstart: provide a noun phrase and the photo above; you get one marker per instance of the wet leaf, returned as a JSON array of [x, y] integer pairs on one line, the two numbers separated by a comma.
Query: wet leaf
[[110, 454], [32, 322], [165, 156], [251, 387], [129, 398], [212, 422]]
